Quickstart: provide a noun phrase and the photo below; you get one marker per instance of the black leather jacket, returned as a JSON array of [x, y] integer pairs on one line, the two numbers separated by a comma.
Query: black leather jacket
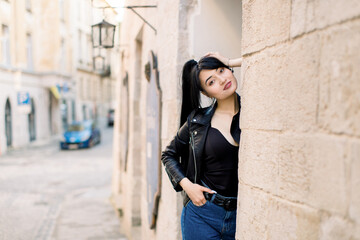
[[183, 156]]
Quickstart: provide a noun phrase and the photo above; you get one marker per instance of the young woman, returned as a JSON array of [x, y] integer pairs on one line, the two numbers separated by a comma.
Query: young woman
[[202, 158]]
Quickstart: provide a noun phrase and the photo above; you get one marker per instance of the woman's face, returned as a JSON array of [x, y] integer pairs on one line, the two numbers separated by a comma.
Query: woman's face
[[219, 83]]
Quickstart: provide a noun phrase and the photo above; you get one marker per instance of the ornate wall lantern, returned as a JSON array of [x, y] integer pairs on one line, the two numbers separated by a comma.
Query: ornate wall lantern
[[103, 34], [99, 63]]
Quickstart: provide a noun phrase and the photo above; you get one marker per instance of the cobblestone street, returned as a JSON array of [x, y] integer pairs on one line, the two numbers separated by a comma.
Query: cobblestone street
[[46, 193]]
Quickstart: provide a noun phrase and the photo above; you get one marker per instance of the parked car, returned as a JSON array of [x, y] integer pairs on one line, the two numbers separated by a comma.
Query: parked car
[[80, 135], [110, 117]]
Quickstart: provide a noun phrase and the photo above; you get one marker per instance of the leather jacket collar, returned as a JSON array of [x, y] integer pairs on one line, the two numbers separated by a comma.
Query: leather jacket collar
[[182, 157], [204, 115]]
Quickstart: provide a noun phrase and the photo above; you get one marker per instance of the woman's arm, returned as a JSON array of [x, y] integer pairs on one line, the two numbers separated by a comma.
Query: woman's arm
[[170, 157], [195, 191], [234, 62]]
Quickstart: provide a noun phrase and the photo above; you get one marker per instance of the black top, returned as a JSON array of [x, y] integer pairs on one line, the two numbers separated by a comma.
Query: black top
[[220, 165]]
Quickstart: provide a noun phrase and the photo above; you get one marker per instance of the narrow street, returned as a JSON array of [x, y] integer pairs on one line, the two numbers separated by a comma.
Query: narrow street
[[46, 193]]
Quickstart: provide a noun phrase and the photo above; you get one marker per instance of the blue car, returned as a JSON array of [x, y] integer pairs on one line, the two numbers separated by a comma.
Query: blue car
[[80, 135]]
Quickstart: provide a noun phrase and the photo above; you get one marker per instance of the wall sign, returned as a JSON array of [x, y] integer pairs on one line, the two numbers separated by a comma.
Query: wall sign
[[23, 100]]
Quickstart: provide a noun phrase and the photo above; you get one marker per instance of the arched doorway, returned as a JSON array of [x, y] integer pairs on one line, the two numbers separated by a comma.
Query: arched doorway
[[84, 112], [8, 127], [64, 114], [31, 119]]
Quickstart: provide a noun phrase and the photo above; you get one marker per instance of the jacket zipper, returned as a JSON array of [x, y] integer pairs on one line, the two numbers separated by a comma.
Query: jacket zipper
[[193, 150]]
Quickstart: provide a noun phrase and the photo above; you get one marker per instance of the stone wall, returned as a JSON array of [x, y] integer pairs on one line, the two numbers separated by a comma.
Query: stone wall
[[299, 157], [130, 185], [300, 146]]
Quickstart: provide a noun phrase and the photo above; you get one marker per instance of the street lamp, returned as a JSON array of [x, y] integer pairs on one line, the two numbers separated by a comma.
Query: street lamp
[[103, 34], [99, 63]]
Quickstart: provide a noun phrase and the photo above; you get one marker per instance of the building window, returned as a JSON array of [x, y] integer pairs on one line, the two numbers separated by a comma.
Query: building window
[[89, 12], [89, 50], [89, 89], [62, 10], [85, 90], [29, 52], [63, 56], [79, 10], [28, 5], [80, 88], [73, 110], [80, 46], [5, 45]]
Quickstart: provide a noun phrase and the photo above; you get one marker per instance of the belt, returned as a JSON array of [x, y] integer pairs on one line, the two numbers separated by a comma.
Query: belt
[[229, 204]]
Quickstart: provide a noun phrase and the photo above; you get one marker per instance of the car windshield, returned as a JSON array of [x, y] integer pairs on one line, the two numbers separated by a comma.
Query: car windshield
[[75, 128]]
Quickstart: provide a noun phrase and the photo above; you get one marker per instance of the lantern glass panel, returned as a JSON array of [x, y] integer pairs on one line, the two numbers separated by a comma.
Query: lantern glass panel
[[107, 36], [99, 63], [96, 35]]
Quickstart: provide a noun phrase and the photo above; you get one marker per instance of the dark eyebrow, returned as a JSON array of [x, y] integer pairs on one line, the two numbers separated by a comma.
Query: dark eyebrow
[[207, 79], [210, 76]]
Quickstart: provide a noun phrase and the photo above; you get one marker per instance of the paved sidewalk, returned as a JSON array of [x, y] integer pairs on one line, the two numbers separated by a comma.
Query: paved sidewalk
[[48, 194]]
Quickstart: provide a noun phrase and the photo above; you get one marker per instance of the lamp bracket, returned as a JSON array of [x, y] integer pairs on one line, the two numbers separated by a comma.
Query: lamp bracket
[[146, 22], [132, 9]]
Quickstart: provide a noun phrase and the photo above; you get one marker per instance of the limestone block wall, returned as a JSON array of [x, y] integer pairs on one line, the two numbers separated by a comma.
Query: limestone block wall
[[171, 46], [171, 51], [299, 161], [137, 40], [130, 175]]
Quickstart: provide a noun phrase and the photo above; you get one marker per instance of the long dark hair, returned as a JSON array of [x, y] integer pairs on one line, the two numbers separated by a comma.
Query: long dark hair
[[191, 86]]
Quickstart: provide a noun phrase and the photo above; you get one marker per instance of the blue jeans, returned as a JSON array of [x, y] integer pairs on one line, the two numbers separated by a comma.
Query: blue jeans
[[208, 221]]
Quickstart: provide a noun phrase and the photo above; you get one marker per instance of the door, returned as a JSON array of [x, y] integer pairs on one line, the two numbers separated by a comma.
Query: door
[[31, 118], [8, 127]]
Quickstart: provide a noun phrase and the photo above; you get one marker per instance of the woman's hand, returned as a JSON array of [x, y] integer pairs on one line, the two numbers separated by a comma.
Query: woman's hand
[[195, 191], [236, 62], [217, 55]]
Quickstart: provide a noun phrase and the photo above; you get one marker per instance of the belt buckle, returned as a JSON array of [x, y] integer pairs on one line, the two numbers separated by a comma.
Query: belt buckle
[[230, 204], [207, 196]]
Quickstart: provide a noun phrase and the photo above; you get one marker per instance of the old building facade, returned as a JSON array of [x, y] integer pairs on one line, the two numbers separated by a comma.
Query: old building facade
[[35, 65], [46, 70], [300, 147]]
